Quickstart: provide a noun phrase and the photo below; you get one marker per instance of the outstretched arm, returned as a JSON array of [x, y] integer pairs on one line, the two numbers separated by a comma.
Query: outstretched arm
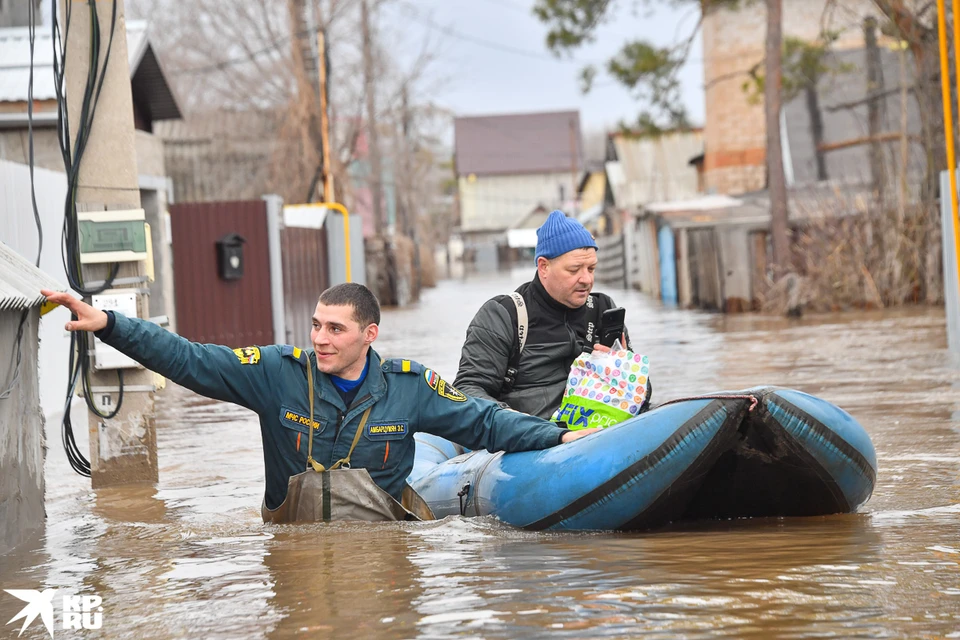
[[211, 370], [481, 424]]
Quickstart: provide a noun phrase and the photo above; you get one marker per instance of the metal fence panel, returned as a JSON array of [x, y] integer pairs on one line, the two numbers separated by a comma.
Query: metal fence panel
[[305, 277], [235, 313]]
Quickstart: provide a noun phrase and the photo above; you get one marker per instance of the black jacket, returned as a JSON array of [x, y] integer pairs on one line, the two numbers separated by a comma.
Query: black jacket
[[557, 335]]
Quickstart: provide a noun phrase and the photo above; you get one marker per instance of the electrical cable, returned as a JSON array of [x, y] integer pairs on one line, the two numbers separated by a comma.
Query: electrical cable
[[78, 365], [16, 368]]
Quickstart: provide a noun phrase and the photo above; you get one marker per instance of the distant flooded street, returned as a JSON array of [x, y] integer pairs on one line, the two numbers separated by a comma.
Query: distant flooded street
[[191, 557]]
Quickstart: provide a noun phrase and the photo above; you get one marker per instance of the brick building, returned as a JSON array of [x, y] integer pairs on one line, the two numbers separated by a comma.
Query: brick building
[[733, 42]]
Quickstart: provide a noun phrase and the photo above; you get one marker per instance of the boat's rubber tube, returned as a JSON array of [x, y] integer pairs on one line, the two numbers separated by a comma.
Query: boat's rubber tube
[[604, 481], [794, 454]]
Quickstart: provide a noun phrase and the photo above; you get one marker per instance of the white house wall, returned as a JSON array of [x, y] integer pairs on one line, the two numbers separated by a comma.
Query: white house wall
[[490, 203], [18, 230]]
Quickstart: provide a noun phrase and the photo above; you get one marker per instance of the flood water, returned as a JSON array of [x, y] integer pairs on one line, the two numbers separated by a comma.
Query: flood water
[[190, 557]]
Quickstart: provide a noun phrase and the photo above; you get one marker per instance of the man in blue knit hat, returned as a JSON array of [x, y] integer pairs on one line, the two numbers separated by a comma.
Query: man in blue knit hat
[[519, 347]]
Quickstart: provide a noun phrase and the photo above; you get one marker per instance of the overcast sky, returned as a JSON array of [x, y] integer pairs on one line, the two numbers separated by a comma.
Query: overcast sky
[[492, 57]]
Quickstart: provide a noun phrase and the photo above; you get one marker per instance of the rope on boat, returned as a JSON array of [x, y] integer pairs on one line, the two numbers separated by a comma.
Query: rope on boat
[[753, 400]]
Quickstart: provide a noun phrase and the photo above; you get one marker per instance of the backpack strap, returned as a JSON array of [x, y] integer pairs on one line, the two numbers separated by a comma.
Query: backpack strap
[[593, 320], [523, 320], [518, 313]]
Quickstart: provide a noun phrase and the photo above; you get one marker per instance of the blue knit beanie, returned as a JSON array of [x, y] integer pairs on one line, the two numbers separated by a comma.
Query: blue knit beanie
[[560, 234]]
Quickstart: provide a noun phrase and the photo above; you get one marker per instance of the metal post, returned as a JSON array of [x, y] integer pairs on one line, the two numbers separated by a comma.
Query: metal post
[[948, 120], [123, 449], [277, 302], [950, 280], [324, 119], [342, 210]]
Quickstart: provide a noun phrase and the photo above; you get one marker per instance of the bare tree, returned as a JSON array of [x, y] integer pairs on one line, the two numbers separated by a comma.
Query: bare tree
[[776, 181]]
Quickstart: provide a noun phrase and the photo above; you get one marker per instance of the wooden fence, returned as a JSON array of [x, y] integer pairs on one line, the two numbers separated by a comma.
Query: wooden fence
[[611, 261]]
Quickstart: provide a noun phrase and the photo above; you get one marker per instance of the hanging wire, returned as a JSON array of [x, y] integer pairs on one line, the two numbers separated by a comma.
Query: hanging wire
[[78, 365]]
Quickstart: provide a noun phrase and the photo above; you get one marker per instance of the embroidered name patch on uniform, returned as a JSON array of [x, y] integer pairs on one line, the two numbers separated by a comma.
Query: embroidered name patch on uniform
[[387, 431], [248, 355], [297, 418]]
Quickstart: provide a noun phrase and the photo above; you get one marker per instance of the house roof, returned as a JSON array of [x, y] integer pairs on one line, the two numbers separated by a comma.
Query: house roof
[[533, 220], [518, 143], [655, 168], [20, 282], [221, 124], [146, 75], [752, 209]]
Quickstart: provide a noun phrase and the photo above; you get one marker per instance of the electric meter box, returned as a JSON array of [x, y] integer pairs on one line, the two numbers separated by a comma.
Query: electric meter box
[[105, 356], [112, 236]]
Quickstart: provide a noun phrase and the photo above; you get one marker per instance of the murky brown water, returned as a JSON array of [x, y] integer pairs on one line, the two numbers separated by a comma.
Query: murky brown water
[[191, 558]]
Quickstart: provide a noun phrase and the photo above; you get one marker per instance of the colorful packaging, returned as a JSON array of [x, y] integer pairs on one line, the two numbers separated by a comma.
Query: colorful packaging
[[604, 389]]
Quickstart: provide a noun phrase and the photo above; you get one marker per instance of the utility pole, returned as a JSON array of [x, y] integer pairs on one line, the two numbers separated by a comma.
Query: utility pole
[[328, 193], [776, 181], [369, 87], [123, 449], [309, 54], [573, 165], [307, 23]]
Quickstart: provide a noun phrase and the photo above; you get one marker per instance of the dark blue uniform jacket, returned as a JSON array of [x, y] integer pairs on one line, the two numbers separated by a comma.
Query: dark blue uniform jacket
[[406, 397]]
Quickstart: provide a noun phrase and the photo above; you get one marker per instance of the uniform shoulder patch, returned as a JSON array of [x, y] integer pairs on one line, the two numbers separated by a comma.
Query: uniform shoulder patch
[[396, 365], [443, 388], [248, 355], [298, 354]]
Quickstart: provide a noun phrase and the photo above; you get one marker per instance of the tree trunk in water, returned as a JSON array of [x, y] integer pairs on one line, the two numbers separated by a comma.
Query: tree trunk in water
[[927, 92], [776, 182], [816, 129], [874, 88]]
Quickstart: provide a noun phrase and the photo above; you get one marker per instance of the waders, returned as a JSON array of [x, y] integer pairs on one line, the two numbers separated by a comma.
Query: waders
[[341, 493]]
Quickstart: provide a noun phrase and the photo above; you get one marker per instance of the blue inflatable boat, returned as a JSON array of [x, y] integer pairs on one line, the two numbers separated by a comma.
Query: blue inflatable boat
[[761, 452]]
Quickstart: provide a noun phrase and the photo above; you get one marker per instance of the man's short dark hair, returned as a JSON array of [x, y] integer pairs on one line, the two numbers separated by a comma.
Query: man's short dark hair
[[366, 309]]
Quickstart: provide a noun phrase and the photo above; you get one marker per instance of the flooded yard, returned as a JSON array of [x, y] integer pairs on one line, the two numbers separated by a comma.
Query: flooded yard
[[190, 557]]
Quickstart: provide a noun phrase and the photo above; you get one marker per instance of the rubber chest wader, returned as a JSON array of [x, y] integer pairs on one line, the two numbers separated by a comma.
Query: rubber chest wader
[[341, 493]]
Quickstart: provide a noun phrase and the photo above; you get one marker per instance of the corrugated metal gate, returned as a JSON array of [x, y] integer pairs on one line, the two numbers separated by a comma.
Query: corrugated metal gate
[[305, 276], [611, 262], [236, 313]]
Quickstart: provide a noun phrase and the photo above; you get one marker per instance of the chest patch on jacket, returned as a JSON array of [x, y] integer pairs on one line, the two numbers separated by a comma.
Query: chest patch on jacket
[[387, 431], [296, 418], [248, 355]]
